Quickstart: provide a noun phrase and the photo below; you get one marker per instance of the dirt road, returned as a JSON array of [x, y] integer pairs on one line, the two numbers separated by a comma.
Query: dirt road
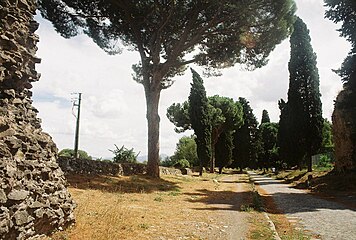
[[326, 219]]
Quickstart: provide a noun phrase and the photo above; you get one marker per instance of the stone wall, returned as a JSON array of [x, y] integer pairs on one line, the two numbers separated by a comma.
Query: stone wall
[[84, 166], [33, 195], [344, 130]]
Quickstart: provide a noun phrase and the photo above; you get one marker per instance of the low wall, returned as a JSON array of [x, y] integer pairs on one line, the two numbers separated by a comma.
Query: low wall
[[84, 166]]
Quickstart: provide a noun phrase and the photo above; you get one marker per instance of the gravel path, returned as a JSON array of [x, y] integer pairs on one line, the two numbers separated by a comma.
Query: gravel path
[[327, 219]]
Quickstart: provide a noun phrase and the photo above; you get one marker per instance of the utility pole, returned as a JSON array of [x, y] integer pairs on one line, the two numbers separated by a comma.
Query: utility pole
[[76, 139]]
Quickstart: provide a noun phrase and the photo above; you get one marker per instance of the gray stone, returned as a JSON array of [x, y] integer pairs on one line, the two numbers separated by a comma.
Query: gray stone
[[22, 217], [18, 195], [3, 197], [37, 204]]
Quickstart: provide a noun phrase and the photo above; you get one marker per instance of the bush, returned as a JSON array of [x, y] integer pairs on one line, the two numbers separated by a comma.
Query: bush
[[70, 153], [325, 161], [124, 155], [182, 163]]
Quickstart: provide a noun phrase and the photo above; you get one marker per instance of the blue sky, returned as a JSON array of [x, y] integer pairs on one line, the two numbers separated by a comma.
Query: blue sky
[[113, 105]]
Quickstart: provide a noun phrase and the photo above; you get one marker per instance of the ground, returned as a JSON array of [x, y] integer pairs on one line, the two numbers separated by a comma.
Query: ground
[[174, 207], [227, 206]]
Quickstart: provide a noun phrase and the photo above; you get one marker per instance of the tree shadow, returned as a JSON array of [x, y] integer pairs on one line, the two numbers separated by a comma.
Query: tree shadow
[[219, 200], [302, 202], [120, 184]]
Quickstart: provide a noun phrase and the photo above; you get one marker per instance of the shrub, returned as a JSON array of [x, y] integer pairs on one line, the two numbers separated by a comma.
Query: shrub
[[182, 163], [70, 153], [124, 155]]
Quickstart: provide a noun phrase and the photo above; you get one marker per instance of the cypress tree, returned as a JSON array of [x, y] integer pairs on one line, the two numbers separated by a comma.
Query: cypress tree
[[265, 117], [246, 139], [200, 120], [223, 150], [304, 105]]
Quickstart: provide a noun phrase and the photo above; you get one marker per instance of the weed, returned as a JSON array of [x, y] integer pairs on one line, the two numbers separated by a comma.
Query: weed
[[144, 225], [246, 208], [158, 199]]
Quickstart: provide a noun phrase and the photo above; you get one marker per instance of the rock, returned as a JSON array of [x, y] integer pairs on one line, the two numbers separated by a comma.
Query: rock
[[3, 197], [17, 195], [22, 217]]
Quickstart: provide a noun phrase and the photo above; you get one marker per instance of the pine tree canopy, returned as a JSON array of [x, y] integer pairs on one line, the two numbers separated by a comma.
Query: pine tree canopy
[[225, 32]]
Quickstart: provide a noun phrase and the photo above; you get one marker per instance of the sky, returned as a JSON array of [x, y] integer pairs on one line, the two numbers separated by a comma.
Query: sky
[[113, 109]]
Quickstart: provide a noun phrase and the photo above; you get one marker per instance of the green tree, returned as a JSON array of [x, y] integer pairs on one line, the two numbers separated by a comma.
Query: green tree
[[268, 155], [265, 117], [306, 121], [285, 139], [186, 149], [70, 153], [327, 143], [200, 119], [223, 150], [246, 139], [226, 115], [220, 33], [124, 155]]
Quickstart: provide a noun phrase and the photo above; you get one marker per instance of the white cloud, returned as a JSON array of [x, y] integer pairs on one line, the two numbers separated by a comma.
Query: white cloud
[[113, 105]]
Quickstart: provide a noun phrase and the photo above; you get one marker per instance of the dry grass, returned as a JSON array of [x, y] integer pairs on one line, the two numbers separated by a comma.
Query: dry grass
[[138, 207]]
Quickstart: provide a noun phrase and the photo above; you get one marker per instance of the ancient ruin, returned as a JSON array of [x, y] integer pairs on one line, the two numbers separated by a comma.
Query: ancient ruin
[[344, 125], [33, 195]]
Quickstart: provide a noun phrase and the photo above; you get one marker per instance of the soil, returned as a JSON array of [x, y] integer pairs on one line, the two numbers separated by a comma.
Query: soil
[[174, 207]]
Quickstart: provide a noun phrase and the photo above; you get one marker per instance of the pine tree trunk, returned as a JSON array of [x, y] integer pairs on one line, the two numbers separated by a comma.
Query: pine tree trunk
[[152, 101]]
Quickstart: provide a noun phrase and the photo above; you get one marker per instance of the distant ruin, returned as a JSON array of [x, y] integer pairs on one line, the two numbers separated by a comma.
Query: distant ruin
[[344, 125], [33, 195]]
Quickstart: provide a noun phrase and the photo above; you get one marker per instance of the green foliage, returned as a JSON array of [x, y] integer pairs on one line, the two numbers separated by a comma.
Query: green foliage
[[343, 11], [327, 143], [124, 155], [186, 149], [70, 153], [182, 163], [301, 119], [325, 162], [178, 114], [223, 150], [265, 117], [246, 139], [200, 119], [226, 32], [167, 162], [268, 157]]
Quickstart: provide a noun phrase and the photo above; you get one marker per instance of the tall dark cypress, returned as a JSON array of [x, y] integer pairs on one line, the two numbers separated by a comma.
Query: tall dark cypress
[[265, 117], [304, 105], [246, 139], [199, 117]]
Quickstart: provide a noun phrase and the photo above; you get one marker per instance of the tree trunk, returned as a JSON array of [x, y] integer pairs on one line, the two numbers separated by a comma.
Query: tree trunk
[[309, 162], [152, 101], [212, 160]]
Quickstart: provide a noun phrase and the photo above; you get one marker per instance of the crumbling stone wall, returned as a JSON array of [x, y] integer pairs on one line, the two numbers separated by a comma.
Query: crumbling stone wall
[[33, 195], [85, 166], [344, 130]]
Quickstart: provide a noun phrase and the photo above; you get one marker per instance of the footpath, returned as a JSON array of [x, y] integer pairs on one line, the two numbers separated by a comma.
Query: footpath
[[325, 219]]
